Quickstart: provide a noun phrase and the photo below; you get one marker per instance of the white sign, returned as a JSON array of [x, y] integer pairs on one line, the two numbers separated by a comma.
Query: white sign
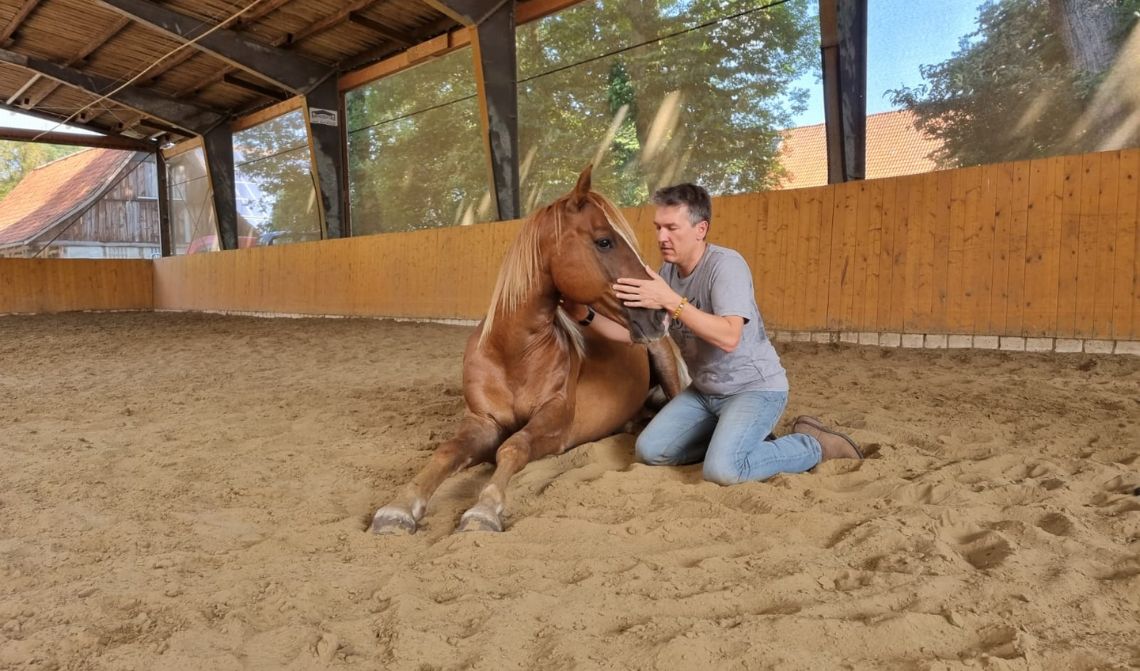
[[322, 116]]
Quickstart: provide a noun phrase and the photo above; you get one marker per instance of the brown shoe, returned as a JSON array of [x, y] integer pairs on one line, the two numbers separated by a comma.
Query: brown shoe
[[833, 444]]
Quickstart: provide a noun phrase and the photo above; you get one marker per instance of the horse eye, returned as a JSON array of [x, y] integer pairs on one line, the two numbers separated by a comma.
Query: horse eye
[[604, 243]]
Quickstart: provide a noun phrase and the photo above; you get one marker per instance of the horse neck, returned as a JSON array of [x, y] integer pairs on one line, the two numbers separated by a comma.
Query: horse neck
[[533, 322]]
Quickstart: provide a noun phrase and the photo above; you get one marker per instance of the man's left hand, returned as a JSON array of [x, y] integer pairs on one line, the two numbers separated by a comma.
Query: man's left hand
[[653, 293]]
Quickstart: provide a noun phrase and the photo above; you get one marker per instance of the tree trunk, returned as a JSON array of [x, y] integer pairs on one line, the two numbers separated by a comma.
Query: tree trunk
[[1086, 27]]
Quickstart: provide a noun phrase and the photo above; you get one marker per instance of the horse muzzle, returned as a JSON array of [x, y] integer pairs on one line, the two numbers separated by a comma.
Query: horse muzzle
[[646, 325]]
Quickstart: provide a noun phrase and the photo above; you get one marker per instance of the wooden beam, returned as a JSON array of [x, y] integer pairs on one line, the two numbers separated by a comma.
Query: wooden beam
[[467, 12], [56, 119], [74, 139], [219, 145], [261, 116], [271, 93], [21, 14], [175, 112], [282, 68], [12, 100], [324, 120], [380, 29], [843, 47], [496, 76], [92, 45]]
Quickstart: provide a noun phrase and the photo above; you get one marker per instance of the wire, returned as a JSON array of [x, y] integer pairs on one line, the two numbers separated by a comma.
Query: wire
[[607, 54], [180, 47]]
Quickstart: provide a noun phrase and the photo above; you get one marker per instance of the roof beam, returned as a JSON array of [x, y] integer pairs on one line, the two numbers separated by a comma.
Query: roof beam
[[183, 115], [469, 12], [92, 45], [74, 139], [380, 29], [55, 119], [843, 47], [265, 91], [282, 68], [25, 9]]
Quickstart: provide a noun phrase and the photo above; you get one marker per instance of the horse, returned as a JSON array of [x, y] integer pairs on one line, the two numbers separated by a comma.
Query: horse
[[534, 383]]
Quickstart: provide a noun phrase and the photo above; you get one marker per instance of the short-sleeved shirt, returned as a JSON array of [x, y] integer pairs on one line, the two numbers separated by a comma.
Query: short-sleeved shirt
[[721, 284]]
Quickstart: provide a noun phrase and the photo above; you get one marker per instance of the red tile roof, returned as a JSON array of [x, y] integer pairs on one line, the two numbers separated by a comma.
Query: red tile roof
[[894, 147], [55, 191]]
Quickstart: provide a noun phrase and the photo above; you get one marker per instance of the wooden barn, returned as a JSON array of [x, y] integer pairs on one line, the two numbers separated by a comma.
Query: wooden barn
[[94, 204]]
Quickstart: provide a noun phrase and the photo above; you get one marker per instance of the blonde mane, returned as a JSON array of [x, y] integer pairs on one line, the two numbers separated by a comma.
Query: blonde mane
[[523, 263]]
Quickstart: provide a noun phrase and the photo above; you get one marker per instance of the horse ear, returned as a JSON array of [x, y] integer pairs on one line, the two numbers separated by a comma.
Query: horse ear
[[578, 197]]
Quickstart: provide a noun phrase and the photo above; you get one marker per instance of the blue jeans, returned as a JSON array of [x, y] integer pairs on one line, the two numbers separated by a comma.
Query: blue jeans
[[728, 433]]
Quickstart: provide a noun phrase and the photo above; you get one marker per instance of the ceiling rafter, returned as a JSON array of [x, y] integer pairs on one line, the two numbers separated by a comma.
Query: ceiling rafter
[[27, 8], [190, 117], [278, 66], [291, 40], [91, 47], [48, 117], [380, 29], [250, 17]]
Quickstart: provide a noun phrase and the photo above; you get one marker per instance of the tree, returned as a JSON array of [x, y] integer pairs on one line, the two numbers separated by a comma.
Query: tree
[[704, 105], [1025, 83], [19, 158]]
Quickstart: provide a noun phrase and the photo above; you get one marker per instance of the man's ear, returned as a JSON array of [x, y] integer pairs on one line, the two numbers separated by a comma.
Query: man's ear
[[581, 189], [703, 227]]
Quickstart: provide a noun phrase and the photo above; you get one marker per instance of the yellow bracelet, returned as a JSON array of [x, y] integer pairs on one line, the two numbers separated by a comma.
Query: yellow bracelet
[[680, 306]]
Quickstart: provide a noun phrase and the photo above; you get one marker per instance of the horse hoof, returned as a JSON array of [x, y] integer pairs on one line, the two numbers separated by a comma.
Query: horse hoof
[[479, 520], [391, 521]]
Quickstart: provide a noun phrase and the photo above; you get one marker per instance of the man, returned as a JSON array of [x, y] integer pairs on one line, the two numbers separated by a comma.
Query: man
[[739, 388]]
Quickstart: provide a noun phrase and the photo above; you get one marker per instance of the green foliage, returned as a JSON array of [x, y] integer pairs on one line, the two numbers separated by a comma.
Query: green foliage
[[416, 151], [19, 158], [1011, 91]]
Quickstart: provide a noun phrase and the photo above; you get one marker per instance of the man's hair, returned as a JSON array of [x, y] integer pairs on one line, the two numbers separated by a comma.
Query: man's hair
[[693, 196]]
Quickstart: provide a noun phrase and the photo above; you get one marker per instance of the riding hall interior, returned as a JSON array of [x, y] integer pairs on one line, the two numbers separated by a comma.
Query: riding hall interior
[[183, 488]]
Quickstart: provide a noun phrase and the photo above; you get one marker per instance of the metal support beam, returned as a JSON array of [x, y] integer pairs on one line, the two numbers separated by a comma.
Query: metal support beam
[[75, 139], [165, 235], [496, 75], [264, 91], [278, 66], [324, 120], [843, 32], [183, 115], [219, 146]]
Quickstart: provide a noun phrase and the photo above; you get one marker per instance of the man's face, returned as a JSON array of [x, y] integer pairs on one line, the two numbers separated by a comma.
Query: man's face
[[677, 238]]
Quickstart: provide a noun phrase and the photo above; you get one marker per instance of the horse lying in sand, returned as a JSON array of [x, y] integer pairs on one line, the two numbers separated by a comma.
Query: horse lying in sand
[[533, 382]]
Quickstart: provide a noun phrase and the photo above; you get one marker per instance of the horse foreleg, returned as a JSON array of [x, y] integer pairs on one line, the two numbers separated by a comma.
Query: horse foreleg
[[542, 436], [473, 443]]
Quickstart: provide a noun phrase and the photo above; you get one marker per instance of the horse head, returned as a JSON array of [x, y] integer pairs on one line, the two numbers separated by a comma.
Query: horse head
[[594, 246]]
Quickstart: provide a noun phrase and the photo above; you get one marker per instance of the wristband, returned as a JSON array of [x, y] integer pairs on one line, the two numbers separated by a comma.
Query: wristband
[[680, 306], [585, 321]]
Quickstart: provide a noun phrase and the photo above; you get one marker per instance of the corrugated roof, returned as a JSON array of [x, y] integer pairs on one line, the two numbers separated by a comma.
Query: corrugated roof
[[55, 191], [894, 147]]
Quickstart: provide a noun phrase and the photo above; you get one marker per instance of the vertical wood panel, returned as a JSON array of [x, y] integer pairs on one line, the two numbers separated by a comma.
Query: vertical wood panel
[[1103, 254], [982, 248], [1018, 255], [873, 237], [822, 278], [1068, 256], [1125, 290]]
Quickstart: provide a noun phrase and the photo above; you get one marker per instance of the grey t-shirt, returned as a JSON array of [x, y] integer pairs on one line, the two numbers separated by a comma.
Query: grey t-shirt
[[721, 284]]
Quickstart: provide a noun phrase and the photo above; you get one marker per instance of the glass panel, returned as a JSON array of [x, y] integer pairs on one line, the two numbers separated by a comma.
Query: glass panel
[[192, 223], [662, 92], [1003, 80], [273, 181], [416, 156]]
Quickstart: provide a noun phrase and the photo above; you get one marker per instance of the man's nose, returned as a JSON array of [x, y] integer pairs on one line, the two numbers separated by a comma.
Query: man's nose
[[662, 235]]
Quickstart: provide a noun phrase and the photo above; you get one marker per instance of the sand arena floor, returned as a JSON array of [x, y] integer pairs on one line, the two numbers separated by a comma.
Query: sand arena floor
[[192, 492]]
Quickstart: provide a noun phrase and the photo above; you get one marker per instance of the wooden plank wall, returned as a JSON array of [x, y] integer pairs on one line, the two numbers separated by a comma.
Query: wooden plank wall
[[1047, 247], [63, 285]]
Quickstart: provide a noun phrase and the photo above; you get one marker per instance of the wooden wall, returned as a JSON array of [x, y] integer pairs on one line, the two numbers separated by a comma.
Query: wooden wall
[[62, 285], [1037, 248], [1047, 247]]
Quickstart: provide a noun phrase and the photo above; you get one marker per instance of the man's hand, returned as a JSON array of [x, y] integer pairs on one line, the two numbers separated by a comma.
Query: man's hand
[[653, 293]]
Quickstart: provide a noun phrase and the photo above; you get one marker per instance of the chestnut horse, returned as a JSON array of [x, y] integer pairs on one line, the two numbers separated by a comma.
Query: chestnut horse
[[534, 383]]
